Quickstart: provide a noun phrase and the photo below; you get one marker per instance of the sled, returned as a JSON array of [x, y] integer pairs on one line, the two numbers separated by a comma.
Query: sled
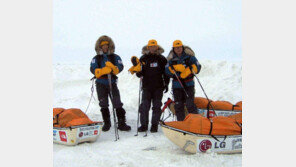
[[196, 143], [72, 126], [77, 134]]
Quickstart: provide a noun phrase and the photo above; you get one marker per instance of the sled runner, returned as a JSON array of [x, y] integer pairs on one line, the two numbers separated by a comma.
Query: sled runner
[[199, 134], [72, 126]]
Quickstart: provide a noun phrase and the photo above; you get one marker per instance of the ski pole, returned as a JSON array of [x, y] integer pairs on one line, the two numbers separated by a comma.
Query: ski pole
[[139, 102], [203, 91], [180, 81], [113, 110]]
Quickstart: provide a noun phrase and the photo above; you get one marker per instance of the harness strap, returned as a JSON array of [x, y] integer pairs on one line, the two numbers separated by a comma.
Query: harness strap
[[233, 107], [211, 126], [239, 126]]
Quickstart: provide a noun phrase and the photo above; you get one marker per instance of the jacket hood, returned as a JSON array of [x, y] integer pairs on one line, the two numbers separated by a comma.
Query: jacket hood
[[187, 50], [159, 51], [111, 44]]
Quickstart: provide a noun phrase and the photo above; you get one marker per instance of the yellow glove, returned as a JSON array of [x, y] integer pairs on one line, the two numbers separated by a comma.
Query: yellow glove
[[179, 67], [135, 69], [102, 71], [114, 68], [194, 68], [185, 73], [136, 65], [135, 60], [171, 70]]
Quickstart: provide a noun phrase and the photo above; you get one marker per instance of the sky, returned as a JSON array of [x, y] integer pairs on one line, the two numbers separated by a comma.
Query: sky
[[212, 28]]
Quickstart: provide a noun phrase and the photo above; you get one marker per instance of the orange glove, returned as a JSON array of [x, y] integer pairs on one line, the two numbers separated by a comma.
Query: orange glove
[[171, 70], [136, 65], [194, 69], [179, 67], [185, 73], [114, 68], [102, 71]]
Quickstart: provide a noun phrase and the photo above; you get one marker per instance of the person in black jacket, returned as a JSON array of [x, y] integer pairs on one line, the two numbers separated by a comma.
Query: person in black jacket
[[103, 64], [151, 67]]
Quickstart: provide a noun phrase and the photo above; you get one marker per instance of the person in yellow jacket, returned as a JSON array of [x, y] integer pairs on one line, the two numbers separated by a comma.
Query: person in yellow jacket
[[104, 63]]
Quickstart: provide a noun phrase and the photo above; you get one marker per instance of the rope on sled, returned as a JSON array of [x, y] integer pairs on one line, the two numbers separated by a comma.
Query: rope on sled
[[92, 92]]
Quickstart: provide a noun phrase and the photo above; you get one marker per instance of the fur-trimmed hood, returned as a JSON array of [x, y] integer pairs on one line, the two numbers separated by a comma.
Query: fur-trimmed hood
[[111, 48], [187, 50], [145, 50]]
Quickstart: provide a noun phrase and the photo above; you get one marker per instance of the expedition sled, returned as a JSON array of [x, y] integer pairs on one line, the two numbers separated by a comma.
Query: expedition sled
[[72, 126], [199, 134], [196, 143]]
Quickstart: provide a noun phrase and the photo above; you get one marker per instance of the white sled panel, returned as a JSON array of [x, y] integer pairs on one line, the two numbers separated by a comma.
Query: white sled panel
[[78, 134], [194, 143]]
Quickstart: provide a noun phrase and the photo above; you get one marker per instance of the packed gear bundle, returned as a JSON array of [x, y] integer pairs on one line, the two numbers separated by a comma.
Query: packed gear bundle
[[69, 117], [72, 126], [208, 108], [196, 123]]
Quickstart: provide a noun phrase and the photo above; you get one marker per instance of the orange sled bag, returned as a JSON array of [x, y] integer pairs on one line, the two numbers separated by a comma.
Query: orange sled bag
[[196, 123]]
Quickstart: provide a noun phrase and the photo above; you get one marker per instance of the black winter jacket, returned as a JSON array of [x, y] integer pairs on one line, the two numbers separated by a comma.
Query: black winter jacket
[[153, 71]]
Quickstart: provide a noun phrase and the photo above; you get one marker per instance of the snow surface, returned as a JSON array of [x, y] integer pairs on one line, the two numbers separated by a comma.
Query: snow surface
[[220, 79]]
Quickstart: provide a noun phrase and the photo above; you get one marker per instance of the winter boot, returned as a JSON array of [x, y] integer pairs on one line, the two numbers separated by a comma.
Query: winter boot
[[154, 128], [120, 112], [143, 128], [106, 118]]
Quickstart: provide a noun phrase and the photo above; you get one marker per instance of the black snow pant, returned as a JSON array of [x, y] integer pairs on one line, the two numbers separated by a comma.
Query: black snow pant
[[148, 96], [181, 99], [103, 93]]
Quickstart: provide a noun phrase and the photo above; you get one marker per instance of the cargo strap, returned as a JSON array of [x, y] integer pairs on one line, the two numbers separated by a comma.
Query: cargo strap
[[239, 126], [211, 127], [208, 108], [57, 118], [234, 106]]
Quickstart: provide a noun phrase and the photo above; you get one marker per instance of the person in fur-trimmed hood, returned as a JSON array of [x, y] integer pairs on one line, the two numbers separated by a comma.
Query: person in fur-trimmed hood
[[103, 64], [181, 64], [151, 67]]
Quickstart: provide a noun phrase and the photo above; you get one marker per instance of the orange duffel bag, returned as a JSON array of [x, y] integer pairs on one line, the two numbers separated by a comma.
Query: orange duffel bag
[[196, 123], [237, 117], [221, 105], [70, 117], [238, 106], [201, 102]]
